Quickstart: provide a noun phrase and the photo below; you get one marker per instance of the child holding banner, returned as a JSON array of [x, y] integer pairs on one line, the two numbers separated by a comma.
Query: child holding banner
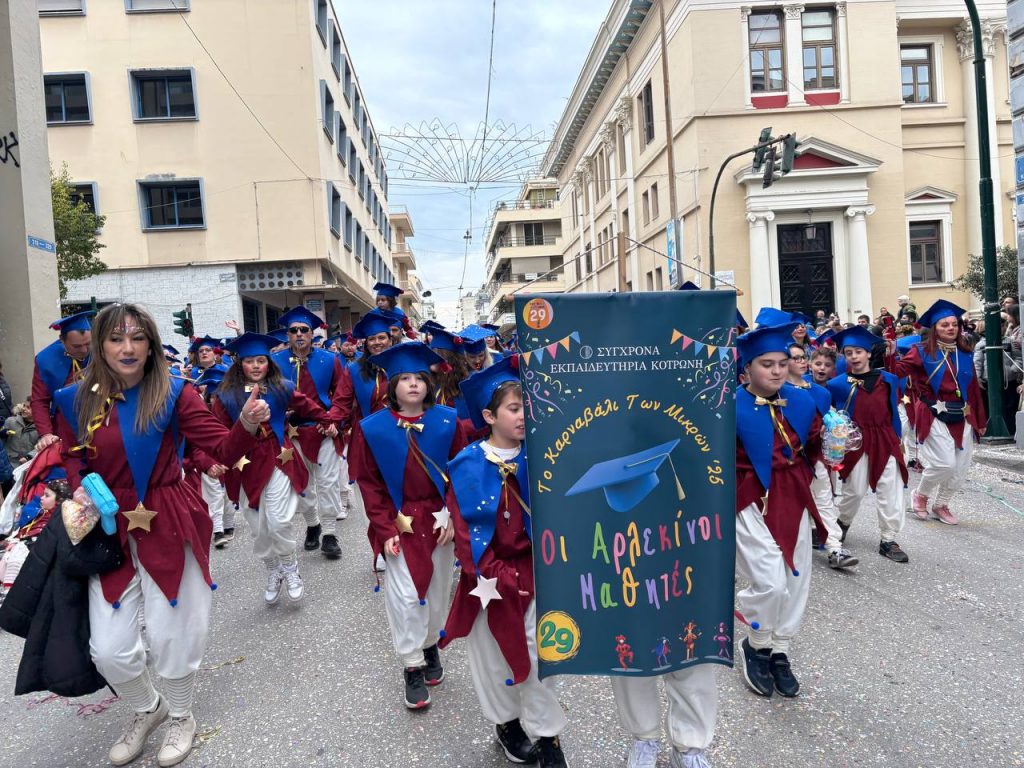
[[403, 485], [778, 437], [494, 605]]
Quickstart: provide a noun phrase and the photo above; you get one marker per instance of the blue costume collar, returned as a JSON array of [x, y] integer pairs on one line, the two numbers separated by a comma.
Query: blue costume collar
[[277, 399], [320, 365], [54, 365], [961, 362], [842, 390], [362, 388], [756, 431]]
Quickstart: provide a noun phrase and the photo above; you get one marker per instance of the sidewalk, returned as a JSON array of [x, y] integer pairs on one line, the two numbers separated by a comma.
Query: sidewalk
[[1006, 457]]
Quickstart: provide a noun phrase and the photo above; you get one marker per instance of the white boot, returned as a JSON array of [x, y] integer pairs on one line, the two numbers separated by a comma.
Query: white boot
[[178, 741]]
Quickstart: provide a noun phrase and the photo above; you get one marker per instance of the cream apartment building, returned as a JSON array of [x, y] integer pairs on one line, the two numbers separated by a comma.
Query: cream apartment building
[[524, 248], [230, 147], [883, 198]]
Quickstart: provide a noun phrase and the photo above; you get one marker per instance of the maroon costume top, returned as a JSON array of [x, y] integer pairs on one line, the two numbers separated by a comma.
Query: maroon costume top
[[351, 413], [911, 365], [791, 486], [871, 413], [419, 501], [182, 516], [41, 397], [509, 559], [309, 437]]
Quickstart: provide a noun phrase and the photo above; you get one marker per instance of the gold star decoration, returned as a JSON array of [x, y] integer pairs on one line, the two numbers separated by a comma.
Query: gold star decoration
[[293, 431], [240, 464], [286, 455], [403, 523], [140, 517], [906, 399]]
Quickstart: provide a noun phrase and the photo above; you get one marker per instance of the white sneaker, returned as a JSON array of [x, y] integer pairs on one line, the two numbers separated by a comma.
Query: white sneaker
[[273, 590], [178, 741], [293, 581], [644, 754], [342, 514], [133, 740], [690, 759]]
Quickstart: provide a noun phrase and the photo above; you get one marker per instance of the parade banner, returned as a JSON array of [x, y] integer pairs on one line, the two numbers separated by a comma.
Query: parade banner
[[631, 439]]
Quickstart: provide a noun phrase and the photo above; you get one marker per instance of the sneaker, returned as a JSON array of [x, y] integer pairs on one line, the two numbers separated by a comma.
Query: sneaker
[[329, 547], [756, 669], [178, 741], [273, 591], [416, 694], [919, 505], [695, 759], [782, 676], [892, 550], [915, 466], [312, 538], [292, 581], [133, 740], [229, 534], [342, 514], [941, 513], [219, 540], [643, 754], [815, 540], [379, 564], [844, 527], [433, 672], [548, 751], [514, 742], [841, 558]]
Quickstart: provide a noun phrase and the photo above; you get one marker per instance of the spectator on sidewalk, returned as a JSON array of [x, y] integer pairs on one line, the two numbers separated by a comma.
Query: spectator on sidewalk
[[6, 400], [1010, 333], [906, 308], [20, 435]]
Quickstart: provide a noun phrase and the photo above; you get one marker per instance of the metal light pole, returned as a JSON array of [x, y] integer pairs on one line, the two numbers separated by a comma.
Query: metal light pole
[[993, 340]]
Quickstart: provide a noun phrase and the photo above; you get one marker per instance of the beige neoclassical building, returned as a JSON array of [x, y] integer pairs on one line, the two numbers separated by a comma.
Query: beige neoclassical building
[[883, 198]]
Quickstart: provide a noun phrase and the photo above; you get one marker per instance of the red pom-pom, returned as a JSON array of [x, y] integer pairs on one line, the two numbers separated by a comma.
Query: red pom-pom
[[514, 362], [444, 368], [458, 341]]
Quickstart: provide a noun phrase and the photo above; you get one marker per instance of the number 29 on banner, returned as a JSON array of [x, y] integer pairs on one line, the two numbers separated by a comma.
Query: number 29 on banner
[[558, 637], [538, 314]]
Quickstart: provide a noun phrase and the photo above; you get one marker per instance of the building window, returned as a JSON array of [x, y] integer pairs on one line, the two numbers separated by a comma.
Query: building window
[[164, 95], [346, 79], [645, 206], [327, 110], [342, 140], [588, 259], [645, 103], [67, 99], [650, 281], [819, 41], [620, 148], [337, 213], [654, 202], [916, 74], [336, 51], [659, 282], [173, 205], [321, 19], [84, 192], [766, 57], [61, 7], [353, 160], [357, 110], [358, 237], [361, 179], [926, 261], [148, 6], [533, 233], [348, 227]]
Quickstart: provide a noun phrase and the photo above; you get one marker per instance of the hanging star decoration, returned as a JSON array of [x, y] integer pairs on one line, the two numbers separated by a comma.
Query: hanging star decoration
[[140, 517], [940, 407], [403, 523], [442, 518], [486, 589], [286, 455], [240, 464], [906, 399]]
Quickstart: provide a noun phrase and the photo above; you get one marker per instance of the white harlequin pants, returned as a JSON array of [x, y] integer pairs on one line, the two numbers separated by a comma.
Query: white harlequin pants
[[888, 497], [821, 490], [271, 523], [322, 498], [222, 511], [692, 706], [945, 466], [414, 626]]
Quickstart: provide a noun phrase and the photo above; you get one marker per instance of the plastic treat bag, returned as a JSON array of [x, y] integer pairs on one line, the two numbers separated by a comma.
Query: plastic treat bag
[[839, 436]]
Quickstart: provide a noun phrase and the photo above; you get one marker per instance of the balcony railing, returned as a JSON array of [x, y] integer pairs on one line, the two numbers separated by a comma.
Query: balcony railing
[[519, 278], [515, 242], [524, 205]]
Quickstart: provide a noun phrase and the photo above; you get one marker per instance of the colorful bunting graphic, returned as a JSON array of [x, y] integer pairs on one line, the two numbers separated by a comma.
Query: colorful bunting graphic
[[700, 346], [551, 350]]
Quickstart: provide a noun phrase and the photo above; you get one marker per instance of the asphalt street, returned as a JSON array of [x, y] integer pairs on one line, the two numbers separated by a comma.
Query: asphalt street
[[904, 666]]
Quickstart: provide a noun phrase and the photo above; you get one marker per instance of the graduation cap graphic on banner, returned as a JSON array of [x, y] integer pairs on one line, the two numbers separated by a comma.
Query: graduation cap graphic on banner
[[628, 480]]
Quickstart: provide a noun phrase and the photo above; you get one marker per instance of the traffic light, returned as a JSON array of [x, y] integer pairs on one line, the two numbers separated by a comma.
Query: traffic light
[[759, 154], [183, 323], [789, 145], [771, 162]]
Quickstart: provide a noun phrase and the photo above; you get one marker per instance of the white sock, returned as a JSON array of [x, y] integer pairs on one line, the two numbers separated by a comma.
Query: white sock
[[139, 693], [179, 695]]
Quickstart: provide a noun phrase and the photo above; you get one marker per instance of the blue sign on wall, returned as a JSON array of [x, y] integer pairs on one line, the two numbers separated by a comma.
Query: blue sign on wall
[[42, 245]]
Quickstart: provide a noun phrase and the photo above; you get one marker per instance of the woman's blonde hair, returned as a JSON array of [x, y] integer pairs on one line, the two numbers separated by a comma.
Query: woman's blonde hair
[[100, 382]]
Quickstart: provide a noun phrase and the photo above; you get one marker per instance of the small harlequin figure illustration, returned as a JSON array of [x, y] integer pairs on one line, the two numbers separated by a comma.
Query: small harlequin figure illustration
[[689, 638], [624, 650], [724, 641], [662, 650]]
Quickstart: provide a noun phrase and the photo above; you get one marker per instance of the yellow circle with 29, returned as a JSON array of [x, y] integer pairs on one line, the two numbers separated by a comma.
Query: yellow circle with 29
[[558, 637]]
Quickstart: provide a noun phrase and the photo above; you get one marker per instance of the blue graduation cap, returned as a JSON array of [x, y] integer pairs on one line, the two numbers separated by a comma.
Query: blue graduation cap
[[251, 345], [940, 310], [827, 335], [689, 285], [491, 327], [478, 389], [56, 473], [765, 339], [626, 481], [300, 315], [206, 341], [905, 343], [442, 339], [430, 326], [475, 337], [171, 350], [386, 289], [78, 322], [410, 357], [376, 321], [281, 334], [771, 316], [858, 336], [211, 377]]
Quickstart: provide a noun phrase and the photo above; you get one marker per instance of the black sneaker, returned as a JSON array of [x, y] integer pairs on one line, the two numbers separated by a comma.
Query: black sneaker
[[782, 675], [433, 672], [416, 694], [229, 534], [219, 540], [548, 751], [844, 527], [756, 669], [329, 546], [892, 550], [515, 743], [840, 559], [312, 538], [815, 540]]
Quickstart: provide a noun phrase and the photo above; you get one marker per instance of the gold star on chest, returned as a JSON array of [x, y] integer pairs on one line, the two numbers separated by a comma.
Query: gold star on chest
[[286, 455], [240, 464], [403, 523], [140, 517], [293, 431], [906, 399]]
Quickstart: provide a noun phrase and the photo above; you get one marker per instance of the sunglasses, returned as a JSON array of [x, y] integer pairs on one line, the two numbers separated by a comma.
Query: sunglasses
[[299, 329]]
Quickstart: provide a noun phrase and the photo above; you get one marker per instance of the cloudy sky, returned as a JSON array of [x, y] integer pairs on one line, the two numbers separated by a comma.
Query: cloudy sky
[[417, 61]]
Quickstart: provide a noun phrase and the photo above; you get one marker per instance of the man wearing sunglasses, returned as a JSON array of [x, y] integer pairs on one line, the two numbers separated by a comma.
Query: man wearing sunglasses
[[317, 373]]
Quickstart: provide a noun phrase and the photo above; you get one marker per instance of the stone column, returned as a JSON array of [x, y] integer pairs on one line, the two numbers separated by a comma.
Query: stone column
[[793, 35], [859, 270], [760, 260], [843, 42], [28, 292], [624, 117]]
